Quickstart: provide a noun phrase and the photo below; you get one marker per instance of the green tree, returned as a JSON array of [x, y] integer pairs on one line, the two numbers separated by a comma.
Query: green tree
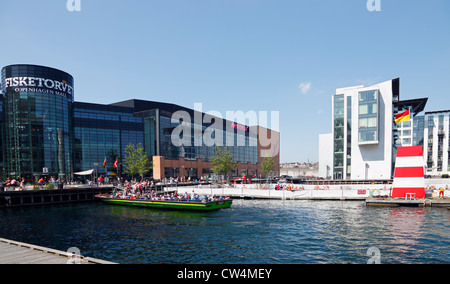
[[136, 161], [267, 165], [222, 161]]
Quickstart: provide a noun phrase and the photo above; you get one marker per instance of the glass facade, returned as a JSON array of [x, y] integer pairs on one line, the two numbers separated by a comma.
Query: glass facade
[[338, 161], [440, 142], [103, 132], [368, 117], [151, 134], [244, 147], [349, 137], [2, 138], [168, 150], [37, 112], [430, 142], [418, 128]]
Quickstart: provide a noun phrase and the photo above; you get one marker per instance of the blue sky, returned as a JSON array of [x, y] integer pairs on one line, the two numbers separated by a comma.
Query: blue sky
[[230, 55]]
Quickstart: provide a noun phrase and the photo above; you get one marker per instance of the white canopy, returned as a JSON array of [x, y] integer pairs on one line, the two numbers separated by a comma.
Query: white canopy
[[85, 173]]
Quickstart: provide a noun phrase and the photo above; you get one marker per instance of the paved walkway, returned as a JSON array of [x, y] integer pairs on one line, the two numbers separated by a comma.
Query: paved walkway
[[12, 252]]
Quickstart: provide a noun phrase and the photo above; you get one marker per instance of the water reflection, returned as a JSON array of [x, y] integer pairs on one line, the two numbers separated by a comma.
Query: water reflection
[[257, 231], [405, 230]]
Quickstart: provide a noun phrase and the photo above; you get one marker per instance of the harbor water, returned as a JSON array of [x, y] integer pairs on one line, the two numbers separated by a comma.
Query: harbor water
[[250, 232]]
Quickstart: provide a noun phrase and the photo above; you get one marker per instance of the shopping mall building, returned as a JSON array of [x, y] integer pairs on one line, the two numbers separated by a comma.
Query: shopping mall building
[[45, 131]]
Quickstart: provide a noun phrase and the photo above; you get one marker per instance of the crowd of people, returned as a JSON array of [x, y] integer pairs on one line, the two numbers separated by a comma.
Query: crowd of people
[[14, 183], [144, 191], [173, 196]]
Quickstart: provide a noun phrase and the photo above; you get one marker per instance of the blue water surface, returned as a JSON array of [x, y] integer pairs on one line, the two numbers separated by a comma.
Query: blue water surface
[[250, 232]]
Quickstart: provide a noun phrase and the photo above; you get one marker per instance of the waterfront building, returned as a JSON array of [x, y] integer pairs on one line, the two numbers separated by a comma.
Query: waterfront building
[[44, 131], [434, 130], [37, 120], [194, 158], [365, 137]]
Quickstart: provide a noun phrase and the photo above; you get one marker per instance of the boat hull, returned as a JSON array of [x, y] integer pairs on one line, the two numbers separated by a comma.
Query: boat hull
[[169, 205]]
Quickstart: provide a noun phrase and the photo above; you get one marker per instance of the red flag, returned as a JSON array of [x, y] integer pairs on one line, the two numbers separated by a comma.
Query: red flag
[[116, 164], [104, 163]]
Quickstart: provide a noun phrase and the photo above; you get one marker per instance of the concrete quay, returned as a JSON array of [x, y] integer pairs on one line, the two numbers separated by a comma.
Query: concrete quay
[[395, 202], [371, 194], [308, 193], [10, 199]]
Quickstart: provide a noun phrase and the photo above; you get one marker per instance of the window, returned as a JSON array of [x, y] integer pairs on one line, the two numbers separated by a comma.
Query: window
[[368, 117], [367, 122], [430, 122], [338, 136], [441, 122], [349, 137]]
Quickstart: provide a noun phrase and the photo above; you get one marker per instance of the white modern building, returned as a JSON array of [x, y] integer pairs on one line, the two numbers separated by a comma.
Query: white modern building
[[364, 137]]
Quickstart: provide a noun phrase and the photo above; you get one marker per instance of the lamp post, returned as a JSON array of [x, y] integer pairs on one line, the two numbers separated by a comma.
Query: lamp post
[[96, 173]]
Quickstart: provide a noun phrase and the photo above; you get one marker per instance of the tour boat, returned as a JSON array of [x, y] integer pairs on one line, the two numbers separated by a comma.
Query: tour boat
[[168, 204]]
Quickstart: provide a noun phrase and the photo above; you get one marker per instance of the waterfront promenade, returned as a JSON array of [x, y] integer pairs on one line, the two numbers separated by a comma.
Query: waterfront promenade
[[12, 252], [353, 192], [343, 192], [299, 192]]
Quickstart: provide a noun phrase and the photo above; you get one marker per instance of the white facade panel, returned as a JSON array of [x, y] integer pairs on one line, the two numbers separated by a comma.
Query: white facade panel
[[375, 161], [325, 155]]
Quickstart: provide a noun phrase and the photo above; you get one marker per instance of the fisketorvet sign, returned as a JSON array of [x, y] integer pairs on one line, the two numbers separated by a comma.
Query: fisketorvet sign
[[39, 85]]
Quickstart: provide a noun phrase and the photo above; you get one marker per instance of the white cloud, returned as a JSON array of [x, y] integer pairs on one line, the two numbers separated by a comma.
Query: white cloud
[[305, 87]]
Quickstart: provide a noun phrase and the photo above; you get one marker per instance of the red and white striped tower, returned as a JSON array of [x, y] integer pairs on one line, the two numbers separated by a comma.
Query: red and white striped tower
[[409, 172]]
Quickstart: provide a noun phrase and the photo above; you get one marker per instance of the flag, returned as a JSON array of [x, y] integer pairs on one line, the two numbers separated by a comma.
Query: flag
[[104, 163], [116, 164], [402, 117]]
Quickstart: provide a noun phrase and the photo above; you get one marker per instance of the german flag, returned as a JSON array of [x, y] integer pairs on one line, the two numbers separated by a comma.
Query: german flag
[[402, 117]]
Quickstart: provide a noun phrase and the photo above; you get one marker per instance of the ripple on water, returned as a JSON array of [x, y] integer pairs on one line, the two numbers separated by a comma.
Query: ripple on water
[[258, 231]]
